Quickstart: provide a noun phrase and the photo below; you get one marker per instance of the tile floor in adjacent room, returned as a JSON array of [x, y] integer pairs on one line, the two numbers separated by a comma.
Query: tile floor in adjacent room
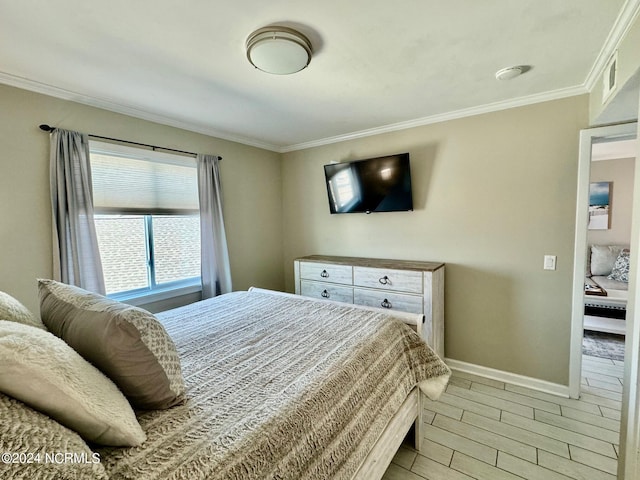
[[483, 429]]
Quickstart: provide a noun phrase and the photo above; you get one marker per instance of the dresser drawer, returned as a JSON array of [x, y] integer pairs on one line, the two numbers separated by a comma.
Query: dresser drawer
[[388, 279], [388, 300], [326, 272], [327, 291]]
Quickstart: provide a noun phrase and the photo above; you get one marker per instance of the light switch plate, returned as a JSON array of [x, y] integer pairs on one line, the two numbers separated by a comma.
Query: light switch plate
[[549, 262]]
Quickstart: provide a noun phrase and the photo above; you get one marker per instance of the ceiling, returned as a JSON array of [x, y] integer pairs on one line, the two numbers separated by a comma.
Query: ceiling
[[614, 150], [377, 66]]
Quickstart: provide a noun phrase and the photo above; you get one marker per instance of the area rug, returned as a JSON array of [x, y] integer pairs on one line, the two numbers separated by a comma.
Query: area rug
[[603, 345]]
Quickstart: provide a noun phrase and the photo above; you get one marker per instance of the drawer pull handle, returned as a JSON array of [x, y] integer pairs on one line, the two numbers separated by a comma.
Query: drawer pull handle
[[324, 274], [325, 294], [385, 280], [386, 303]]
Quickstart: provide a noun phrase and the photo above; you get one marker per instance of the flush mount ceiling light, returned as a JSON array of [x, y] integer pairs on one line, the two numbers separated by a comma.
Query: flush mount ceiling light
[[511, 72], [278, 50]]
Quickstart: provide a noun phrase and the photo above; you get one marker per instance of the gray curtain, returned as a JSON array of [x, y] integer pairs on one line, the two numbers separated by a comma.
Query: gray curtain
[[216, 272], [76, 258]]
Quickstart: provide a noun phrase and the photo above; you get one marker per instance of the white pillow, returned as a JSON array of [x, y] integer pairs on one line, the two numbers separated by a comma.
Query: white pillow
[[603, 257], [12, 310], [42, 371]]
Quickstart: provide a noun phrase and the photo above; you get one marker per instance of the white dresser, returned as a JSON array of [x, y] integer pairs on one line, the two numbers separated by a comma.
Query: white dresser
[[405, 286]]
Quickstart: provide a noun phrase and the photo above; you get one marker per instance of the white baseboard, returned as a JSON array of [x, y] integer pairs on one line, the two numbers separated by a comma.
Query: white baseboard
[[508, 377]]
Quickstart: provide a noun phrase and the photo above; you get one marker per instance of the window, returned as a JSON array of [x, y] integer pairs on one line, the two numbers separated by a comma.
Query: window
[[147, 222], [344, 188]]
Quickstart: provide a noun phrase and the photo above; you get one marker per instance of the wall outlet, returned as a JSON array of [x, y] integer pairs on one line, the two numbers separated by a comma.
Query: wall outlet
[[550, 262]]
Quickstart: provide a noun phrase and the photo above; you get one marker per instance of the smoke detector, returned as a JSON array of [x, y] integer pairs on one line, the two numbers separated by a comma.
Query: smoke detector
[[511, 72]]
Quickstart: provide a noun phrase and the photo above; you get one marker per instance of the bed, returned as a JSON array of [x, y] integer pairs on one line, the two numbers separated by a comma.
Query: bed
[[282, 387]]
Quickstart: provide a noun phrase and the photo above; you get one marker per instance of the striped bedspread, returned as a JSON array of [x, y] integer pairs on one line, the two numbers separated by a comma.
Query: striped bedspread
[[278, 388]]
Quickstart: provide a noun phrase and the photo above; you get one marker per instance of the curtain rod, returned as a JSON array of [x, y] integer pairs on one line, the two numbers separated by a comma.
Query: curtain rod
[[46, 128]]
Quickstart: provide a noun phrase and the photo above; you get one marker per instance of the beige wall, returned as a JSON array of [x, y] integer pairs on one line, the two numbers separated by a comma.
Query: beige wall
[[493, 193], [621, 173], [251, 182]]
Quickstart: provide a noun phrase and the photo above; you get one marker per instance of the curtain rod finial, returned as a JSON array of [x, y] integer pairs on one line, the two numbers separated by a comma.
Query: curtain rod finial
[[46, 128]]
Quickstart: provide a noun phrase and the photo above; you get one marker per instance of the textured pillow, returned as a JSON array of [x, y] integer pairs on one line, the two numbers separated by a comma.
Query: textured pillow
[[126, 343], [45, 373], [603, 258], [26, 431], [12, 310], [620, 270]]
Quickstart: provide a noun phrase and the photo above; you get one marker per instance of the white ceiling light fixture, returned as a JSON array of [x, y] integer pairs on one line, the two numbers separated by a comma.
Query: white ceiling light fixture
[[278, 50], [511, 72]]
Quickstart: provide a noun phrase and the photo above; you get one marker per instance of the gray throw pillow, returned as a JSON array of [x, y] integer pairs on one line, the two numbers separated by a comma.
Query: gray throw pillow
[[128, 344], [620, 270]]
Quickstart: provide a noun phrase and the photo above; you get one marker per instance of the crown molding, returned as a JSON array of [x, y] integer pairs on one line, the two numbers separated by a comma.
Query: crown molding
[[109, 105], [43, 88], [623, 23], [443, 117]]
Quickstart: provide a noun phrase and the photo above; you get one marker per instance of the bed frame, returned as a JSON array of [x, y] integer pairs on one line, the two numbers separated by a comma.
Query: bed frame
[[380, 456]]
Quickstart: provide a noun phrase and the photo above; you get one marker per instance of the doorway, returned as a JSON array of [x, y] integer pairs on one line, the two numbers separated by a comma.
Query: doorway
[[590, 140]]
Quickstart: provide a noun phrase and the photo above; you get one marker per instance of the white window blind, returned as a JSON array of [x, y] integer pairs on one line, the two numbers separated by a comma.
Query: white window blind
[[125, 182]]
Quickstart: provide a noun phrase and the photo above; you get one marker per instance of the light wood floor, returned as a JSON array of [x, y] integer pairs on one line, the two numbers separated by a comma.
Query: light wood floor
[[487, 430]]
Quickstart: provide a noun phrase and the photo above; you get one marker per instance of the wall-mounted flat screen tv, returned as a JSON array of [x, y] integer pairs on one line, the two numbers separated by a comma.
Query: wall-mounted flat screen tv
[[381, 184]]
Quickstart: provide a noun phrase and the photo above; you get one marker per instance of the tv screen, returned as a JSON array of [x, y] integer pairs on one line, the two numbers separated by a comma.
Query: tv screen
[[380, 184]]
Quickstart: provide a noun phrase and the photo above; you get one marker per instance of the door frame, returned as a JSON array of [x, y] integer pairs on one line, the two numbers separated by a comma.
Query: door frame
[[587, 138]]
